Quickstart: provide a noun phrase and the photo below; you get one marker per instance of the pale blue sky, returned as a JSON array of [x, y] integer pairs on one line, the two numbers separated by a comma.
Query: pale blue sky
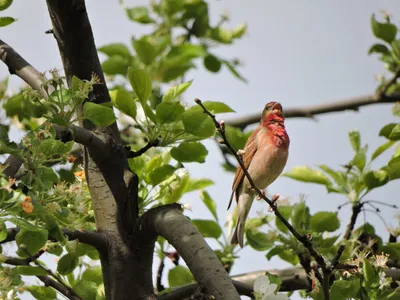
[[296, 52]]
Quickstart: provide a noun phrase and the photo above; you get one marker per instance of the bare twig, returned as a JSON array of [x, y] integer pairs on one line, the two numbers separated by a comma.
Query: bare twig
[[160, 286], [301, 238], [353, 104], [356, 211], [149, 145]]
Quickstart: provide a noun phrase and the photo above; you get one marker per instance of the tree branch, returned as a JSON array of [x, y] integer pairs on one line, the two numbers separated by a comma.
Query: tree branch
[[169, 222], [187, 291], [19, 66], [356, 211], [353, 104], [48, 281]]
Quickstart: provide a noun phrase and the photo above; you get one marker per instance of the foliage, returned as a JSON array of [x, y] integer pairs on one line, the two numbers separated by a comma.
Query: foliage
[[50, 193]]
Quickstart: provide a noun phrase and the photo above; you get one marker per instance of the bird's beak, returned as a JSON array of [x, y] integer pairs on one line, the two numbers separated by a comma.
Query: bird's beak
[[276, 109]]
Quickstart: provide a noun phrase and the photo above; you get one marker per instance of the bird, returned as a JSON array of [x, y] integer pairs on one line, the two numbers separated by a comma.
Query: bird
[[264, 155]]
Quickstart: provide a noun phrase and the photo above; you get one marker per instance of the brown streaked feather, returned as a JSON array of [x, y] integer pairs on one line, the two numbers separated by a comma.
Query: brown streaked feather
[[250, 149]]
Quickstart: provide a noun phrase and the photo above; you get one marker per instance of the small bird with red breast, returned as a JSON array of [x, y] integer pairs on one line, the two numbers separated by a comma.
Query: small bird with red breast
[[264, 156]]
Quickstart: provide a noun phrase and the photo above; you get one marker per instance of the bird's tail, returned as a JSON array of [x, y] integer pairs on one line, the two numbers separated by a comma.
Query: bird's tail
[[244, 205]]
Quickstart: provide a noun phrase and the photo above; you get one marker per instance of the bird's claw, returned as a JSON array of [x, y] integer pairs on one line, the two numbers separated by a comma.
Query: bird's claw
[[241, 152]]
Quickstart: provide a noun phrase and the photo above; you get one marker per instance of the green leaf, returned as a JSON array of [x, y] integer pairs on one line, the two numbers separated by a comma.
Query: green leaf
[[124, 102], [210, 203], [3, 231], [370, 275], [232, 68], [67, 263], [221, 35], [336, 176], [381, 149], [145, 50], [354, 137], [324, 221], [179, 276], [33, 240], [41, 292], [4, 4], [100, 115], [301, 216], [395, 134], [393, 249], [149, 112], [175, 91], [216, 107], [198, 184], [93, 274], [212, 63], [46, 175], [345, 289], [116, 49], [101, 294], [190, 152], [286, 212], [383, 31], [378, 48], [198, 123], [236, 137], [141, 83], [387, 130], [172, 6], [52, 147], [273, 278], [86, 289], [174, 186], [115, 65], [239, 31], [374, 179], [139, 14], [168, 112], [258, 240], [5, 21], [160, 174], [360, 158], [306, 174], [274, 251], [288, 255], [393, 168], [208, 228], [29, 271]]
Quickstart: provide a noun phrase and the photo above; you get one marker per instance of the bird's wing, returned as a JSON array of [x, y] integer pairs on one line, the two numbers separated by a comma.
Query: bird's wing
[[250, 149]]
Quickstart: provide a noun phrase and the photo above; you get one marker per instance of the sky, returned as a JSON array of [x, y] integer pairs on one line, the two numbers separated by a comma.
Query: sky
[[299, 53]]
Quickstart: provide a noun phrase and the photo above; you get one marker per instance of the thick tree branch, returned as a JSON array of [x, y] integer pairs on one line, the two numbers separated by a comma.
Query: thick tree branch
[[19, 66], [353, 104], [187, 291], [169, 222], [95, 239]]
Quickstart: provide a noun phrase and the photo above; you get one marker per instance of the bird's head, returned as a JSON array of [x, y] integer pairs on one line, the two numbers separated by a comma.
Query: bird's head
[[272, 113]]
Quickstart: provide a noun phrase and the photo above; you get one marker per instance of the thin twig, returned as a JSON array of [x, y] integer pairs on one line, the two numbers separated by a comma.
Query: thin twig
[[301, 238], [356, 211], [149, 145]]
